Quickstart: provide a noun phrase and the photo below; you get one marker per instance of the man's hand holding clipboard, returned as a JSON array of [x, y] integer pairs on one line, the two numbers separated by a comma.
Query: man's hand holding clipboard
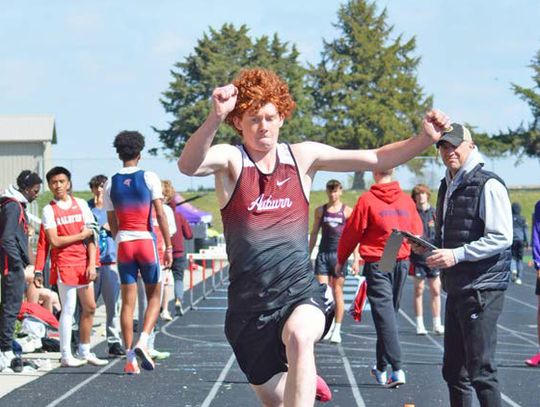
[[393, 244], [436, 258]]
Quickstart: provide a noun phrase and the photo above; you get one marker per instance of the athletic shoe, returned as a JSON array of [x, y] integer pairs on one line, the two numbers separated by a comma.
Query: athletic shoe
[[534, 361], [336, 337], [396, 379], [518, 281], [71, 361], [421, 330], [116, 350], [178, 308], [380, 376], [330, 331], [92, 359], [158, 355], [132, 367], [323, 392], [3, 362], [17, 364], [146, 361], [166, 315], [438, 330]]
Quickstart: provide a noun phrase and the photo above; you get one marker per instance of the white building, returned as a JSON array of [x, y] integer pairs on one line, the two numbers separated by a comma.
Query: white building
[[25, 144]]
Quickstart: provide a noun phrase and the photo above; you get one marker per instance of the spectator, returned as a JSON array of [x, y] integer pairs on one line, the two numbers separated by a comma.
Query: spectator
[[535, 243], [107, 283], [378, 211], [473, 230], [183, 231], [421, 271], [519, 242], [14, 257], [36, 293]]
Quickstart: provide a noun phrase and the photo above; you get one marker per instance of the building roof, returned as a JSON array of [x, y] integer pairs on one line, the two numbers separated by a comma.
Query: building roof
[[27, 128]]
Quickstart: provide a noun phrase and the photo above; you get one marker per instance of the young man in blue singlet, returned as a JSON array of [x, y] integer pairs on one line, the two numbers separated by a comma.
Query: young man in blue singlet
[[276, 308], [131, 195]]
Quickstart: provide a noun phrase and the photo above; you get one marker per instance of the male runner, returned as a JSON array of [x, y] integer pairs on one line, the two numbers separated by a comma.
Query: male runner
[[73, 257], [276, 307], [130, 197], [331, 217]]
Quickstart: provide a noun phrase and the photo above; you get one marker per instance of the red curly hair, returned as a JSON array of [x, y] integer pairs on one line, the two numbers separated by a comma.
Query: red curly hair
[[256, 88]]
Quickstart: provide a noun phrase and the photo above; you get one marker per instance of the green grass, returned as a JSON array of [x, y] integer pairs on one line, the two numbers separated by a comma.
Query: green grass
[[209, 203]]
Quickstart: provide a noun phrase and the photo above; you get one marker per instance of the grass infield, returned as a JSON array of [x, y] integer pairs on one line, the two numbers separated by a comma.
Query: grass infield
[[526, 197]]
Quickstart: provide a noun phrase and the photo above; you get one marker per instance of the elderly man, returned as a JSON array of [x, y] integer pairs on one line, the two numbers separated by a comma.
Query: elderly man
[[474, 233]]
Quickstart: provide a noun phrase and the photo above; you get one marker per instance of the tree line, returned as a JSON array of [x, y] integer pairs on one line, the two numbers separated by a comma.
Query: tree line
[[363, 93]]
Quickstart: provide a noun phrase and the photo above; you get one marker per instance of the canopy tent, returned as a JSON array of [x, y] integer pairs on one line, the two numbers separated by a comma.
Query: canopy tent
[[191, 213]]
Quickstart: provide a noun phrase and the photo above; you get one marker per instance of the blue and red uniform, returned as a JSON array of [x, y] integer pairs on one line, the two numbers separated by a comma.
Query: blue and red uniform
[[130, 193]]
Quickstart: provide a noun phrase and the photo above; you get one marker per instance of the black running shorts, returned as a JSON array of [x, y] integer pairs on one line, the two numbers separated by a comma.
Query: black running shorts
[[325, 265], [423, 272], [537, 290], [256, 338]]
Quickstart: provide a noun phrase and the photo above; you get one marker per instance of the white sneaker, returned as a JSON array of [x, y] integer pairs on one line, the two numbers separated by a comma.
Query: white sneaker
[[336, 337], [518, 281], [421, 330], [92, 359], [166, 315], [396, 379], [438, 330], [5, 360], [158, 355], [330, 331], [71, 361]]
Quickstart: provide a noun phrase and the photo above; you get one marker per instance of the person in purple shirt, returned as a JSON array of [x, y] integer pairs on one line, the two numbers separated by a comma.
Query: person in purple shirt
[[535, 243]]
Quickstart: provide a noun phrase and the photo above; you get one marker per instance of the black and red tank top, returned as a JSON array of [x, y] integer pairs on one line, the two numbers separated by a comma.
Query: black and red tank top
[[266, 232], [332, 224]]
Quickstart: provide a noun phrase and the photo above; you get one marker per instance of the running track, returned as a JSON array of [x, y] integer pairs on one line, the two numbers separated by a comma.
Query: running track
[[203, 372]]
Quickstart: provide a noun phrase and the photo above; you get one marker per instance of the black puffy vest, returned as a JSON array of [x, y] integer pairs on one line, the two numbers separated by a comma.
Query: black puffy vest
[[463, 225]]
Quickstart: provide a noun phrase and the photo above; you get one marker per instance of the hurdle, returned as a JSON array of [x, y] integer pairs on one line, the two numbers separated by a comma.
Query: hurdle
[[213, 262]]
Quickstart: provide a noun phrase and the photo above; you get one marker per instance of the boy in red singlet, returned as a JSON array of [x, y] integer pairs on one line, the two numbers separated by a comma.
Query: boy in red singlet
[[276, 308], [73, 254]]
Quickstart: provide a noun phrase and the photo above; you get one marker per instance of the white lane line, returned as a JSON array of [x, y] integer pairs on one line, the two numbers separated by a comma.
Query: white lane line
[[520, 302], [350, 376], [218, 383], [83, 383], [507, 399], [517, 334]]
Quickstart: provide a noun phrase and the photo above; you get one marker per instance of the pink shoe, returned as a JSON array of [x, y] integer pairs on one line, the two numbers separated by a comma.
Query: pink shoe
[[534, 361], [323, 392]]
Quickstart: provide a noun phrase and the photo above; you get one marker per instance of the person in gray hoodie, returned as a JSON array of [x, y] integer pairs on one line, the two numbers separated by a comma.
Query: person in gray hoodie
[[474, 233], [14, 257]]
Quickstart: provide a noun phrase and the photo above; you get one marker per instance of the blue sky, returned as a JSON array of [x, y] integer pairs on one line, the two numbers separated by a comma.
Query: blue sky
[[100, 66]]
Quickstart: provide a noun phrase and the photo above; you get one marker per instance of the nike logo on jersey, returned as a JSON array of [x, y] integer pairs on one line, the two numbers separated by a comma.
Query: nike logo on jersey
[[127, 182], [280, 183]]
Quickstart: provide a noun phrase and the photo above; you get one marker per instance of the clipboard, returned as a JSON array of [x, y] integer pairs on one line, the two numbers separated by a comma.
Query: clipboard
[[391, 248], [418, 240]]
